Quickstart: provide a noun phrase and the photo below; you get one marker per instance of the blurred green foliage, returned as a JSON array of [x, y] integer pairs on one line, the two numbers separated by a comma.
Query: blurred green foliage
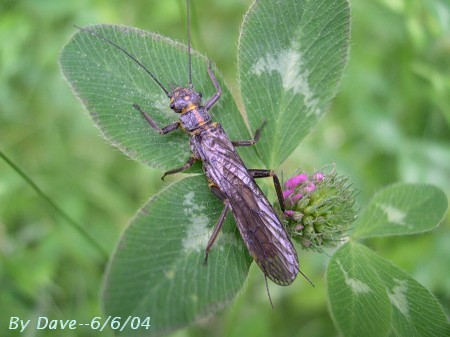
[[390, 122]]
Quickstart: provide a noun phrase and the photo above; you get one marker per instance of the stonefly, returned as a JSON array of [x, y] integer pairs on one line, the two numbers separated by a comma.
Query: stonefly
[[229, 179]]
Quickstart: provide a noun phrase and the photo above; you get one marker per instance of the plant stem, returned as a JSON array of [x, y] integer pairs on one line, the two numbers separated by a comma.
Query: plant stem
[[55, 207]]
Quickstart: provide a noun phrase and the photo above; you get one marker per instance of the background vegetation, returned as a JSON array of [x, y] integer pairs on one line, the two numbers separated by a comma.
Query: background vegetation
[[390, 122]]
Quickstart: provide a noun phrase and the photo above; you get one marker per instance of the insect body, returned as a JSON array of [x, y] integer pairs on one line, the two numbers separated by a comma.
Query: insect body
[[234, 184], [229, 179]]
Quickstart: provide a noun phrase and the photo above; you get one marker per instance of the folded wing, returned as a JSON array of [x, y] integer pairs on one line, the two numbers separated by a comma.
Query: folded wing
[[260, 227]]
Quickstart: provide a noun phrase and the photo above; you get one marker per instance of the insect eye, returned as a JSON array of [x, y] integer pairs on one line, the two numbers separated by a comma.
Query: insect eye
[[200, 94]]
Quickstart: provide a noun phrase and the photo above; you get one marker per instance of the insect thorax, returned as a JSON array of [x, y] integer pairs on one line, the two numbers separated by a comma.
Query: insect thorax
[[195, 118]]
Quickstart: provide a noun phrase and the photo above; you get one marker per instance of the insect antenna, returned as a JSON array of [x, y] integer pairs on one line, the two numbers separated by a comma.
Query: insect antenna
[[132, 57], [172, 86], [188, 24]]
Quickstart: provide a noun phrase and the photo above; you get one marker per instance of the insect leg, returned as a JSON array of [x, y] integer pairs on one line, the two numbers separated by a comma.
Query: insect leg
[[215, 98], [169, 128], [188, 164], [218, 193], [256, 173], [252, 141]]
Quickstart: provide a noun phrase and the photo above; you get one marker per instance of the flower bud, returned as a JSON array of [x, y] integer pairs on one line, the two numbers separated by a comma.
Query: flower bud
[[296, 181], [319, 208]]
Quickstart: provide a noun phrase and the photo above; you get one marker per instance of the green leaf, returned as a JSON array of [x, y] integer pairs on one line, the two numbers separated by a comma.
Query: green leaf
[[359, 303], [108, 83], [157, 269], [291, 58], [402, 209], [356, 298], [416, 312]]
